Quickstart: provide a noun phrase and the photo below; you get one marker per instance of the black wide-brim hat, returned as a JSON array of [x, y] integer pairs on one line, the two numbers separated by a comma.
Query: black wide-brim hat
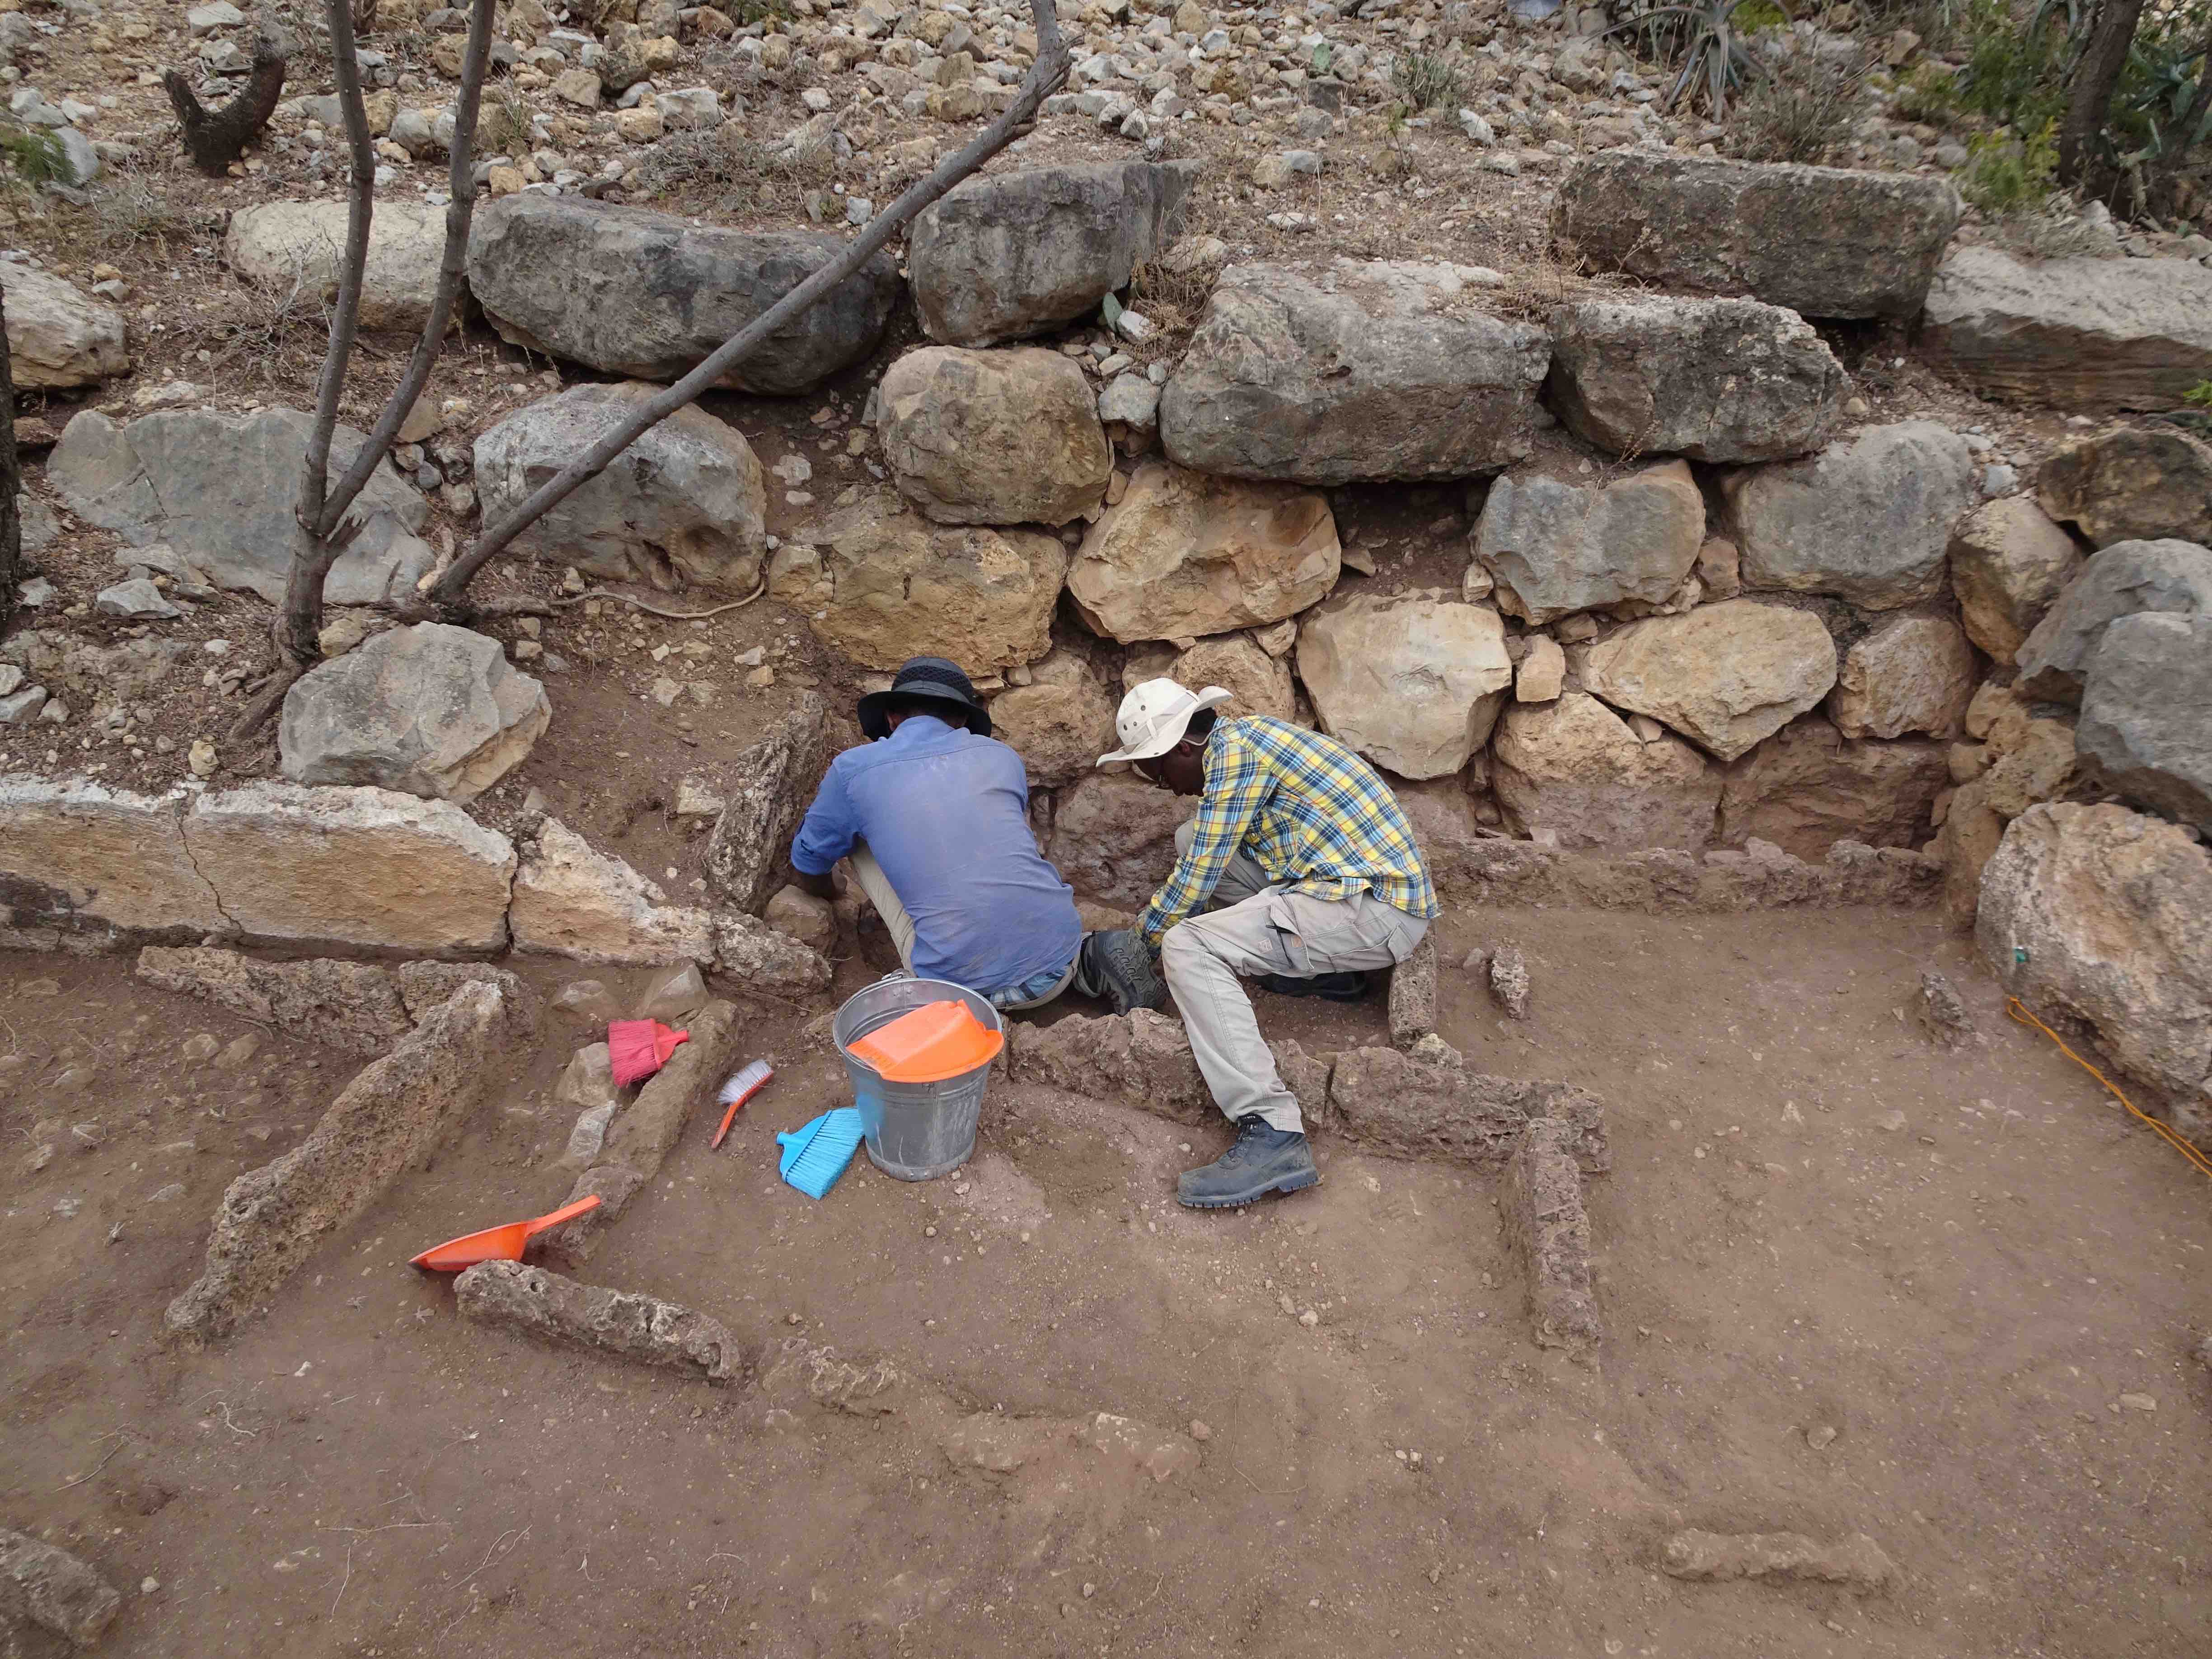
[[926, 677]]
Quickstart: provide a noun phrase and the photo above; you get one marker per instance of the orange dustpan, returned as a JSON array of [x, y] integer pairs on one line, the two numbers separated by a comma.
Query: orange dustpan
[[934, 1041], [498, 1244]]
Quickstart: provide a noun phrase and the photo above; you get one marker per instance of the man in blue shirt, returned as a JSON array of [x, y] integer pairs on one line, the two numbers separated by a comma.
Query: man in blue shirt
[[932, 815]]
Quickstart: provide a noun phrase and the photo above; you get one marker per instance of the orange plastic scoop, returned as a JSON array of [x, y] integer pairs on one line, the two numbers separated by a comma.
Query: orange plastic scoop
[[498, 1244], [934, 1041]]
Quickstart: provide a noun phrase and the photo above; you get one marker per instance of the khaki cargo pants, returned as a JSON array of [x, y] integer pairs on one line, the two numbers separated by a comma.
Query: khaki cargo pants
[[1262, 929]]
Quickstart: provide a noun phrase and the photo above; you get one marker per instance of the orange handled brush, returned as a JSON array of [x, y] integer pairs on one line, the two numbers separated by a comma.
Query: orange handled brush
[[741, 1088]]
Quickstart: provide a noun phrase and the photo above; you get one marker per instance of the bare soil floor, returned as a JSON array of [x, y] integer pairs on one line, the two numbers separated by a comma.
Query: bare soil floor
[[1816, 1220]]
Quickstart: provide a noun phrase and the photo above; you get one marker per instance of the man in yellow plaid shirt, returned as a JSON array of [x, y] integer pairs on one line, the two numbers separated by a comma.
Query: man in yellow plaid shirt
[[1310, 857]]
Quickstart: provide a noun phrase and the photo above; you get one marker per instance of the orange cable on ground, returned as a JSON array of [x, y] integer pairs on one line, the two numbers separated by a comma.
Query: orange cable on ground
[[2018, 1009]]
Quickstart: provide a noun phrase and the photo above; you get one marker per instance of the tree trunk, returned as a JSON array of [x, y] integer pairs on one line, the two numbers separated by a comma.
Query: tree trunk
[[2090, 93], [11, 483]]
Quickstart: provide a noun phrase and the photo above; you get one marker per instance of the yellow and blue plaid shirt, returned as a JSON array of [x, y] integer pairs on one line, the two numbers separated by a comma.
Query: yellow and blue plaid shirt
[[1311, 813]]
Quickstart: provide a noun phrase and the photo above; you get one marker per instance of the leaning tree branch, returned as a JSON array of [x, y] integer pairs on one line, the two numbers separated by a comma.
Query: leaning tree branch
[[361, 209], [322, 508], [1046, 73], [460, 209], [215, 138]]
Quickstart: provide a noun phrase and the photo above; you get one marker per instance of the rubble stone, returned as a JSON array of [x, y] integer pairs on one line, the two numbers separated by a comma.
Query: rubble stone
[[1009, 254], [2008, 563], [1183, 554], [354, 1005], [2145, 727], [1574, 769], [1868, 519], [771, 783], [993, 437], [287, 243], [684, 505], [628, 291], [570, 900], [1856, 1563], [1547, 1229], [430, 710], [1555, 543], [358, 866], [1912, 673], [393, 1114], [881, 584], [2081, 333], [1714, 380], [2098, 912], [1413, 681], [2132, 483], [2120, 580], [1372, 378], [1823, 241], [1724, 676]]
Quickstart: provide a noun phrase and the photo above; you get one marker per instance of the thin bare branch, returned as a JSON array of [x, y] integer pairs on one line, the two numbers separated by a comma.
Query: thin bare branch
[[1046, 73], [459, 211]]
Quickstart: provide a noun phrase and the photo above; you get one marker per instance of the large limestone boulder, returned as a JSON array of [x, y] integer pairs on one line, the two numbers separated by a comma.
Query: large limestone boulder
[[1823, 241], [290, 243], [1113, 837], [429, 710], [1557, 540], [1059, 723], [1808, 786], [1413, 681], [2124, 579], [59, 336], [1724, 676], [1183, 554], [2078, 333], [1012, 254], [1909, 674], [2132, 484], [1378, 376], [78, 855], [570, 900], [1867, 519], [1237, 663], [2098, 912], [2146, 726], [1714, 380], [993, 437], [881, 584], [628, 291], [1573, 767], [353, 866], [213, 495], [2009, 562], [683, 504]]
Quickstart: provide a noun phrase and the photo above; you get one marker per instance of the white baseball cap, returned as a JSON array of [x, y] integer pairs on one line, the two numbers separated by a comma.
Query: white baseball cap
[[1152, 718]]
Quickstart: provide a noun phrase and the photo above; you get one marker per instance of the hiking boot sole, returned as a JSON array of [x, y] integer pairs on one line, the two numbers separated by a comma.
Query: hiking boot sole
[[1295, 1182]]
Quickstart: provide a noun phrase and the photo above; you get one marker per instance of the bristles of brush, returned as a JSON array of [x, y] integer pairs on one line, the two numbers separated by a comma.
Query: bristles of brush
[[742, 1084]]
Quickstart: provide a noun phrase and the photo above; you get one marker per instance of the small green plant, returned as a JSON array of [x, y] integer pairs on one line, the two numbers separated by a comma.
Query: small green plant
[[34, 154], [1802, 113], [1929, 93], [2005, 174], [1751, 15], [1426, 80], [2199, 395]]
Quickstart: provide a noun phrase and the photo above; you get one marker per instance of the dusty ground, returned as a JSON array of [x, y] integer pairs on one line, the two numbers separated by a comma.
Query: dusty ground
[[1963, 1297]]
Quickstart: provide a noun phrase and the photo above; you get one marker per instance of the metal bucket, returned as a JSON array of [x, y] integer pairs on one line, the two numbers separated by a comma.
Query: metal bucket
[[915, 1131]]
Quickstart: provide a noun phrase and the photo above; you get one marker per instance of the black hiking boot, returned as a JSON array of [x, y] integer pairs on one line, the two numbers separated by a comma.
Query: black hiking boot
[[1334, 988], [1118, 965], [1262, 1161]]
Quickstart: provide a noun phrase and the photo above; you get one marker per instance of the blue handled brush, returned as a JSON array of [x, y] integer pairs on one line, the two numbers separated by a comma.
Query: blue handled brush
[[815, 1154]]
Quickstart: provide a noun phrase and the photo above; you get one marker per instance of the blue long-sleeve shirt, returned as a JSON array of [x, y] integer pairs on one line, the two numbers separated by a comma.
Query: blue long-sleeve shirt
[[946, 814]]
